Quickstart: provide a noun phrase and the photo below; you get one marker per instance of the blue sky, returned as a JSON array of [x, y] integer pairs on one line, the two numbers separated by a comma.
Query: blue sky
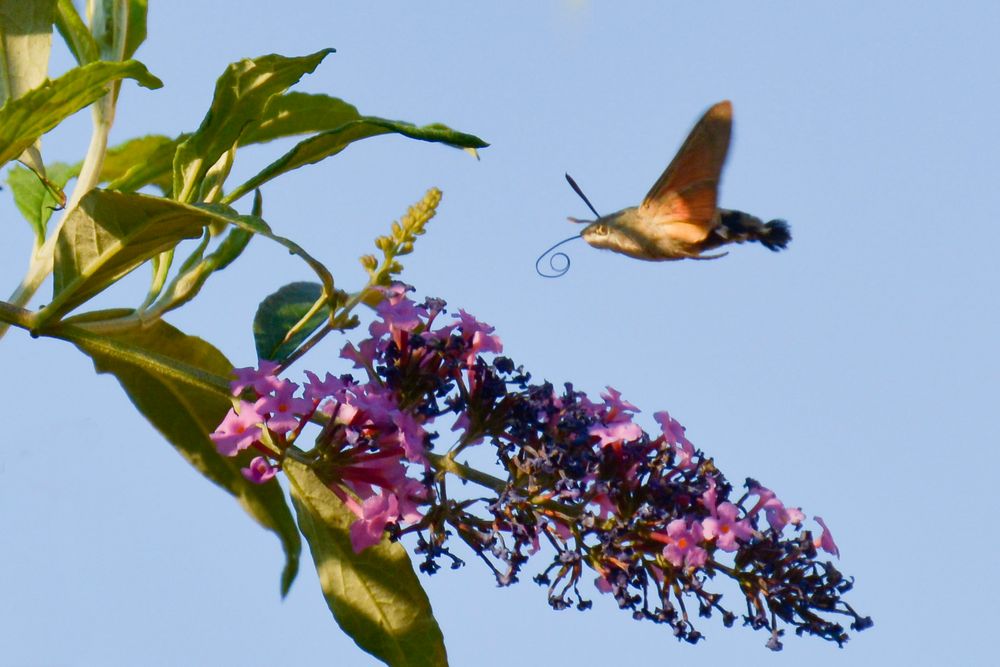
[[856, 374]]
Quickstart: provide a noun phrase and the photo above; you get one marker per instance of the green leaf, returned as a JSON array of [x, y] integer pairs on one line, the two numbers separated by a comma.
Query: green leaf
[[192, 278], [108, 235], [75, 33], [143, 161], [330, 143], [256, 225], [241, 94], [375, 596], [25, 41], [299, 113], [118, 27], [25, 119], [280, 312], [186, 413], [33, 198]]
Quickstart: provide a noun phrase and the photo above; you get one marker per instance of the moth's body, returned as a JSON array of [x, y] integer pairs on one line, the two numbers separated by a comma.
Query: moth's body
[[679, 217], [632, 233]]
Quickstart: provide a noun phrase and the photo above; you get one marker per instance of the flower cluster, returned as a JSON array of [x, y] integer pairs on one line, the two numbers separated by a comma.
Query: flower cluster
[[648, 514]]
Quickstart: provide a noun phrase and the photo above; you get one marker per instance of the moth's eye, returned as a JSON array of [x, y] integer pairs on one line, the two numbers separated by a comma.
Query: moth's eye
[[601, 230]]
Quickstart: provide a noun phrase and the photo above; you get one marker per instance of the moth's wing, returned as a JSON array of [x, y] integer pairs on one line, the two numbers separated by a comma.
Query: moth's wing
[[686, 194]]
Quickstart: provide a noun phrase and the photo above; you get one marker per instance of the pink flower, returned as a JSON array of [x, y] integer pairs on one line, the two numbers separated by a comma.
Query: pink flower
[[825, 541], [373, 515], [317, 390], [397, 315], [261, 379], [283, 408], [238, 431], [613, 401], [615, 432], [682, 547], [673, 434], [410, 434], [616, 423], [724, 528], [363, 356], [778, 516], [477, 336], [259, 471]]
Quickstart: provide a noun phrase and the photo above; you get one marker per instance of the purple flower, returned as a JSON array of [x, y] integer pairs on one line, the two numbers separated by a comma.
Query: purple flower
[[259, 471], [725, 529], [615, 432], [238, 430], [825, 541], [261, 379], [283, 408], [373, 515], [682, 544]]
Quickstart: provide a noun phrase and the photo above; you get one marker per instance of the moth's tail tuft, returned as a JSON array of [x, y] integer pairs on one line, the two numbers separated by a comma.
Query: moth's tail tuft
[[775, 235]]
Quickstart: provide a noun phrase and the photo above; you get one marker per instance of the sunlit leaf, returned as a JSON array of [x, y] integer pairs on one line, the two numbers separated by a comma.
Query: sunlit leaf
[[375, 596], [139, 162], [25, 119], [241, 94], [327, 144], [110, 234]]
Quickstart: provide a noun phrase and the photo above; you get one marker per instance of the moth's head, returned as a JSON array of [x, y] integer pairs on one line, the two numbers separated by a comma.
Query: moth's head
[[597, 234]]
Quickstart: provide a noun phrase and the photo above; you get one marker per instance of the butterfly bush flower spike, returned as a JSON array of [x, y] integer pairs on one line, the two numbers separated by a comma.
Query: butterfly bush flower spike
[[580, 486]]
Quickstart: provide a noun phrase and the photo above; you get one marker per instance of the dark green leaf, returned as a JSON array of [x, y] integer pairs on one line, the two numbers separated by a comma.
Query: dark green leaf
[[25, 119], [281, 311], [375, 596], [33, 199], [186, 413], [241, 94], [330, 143], [110, 234]]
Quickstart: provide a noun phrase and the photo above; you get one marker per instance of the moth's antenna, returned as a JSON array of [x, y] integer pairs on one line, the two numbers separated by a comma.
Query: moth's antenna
[[577, 190], [556, 269]]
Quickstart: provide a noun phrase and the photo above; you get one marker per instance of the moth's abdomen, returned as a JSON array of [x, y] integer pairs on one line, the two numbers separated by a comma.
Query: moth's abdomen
[[740, 227]]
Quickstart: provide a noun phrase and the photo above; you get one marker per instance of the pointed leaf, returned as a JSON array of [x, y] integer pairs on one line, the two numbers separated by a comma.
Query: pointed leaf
[[375, 596], [281, 311], [299, 113], [330, 143], [241, 94], [25, 119], [185, 413]]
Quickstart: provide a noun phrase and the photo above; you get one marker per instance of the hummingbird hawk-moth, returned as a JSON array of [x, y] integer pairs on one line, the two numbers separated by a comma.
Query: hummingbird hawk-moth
[[679, 217]]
